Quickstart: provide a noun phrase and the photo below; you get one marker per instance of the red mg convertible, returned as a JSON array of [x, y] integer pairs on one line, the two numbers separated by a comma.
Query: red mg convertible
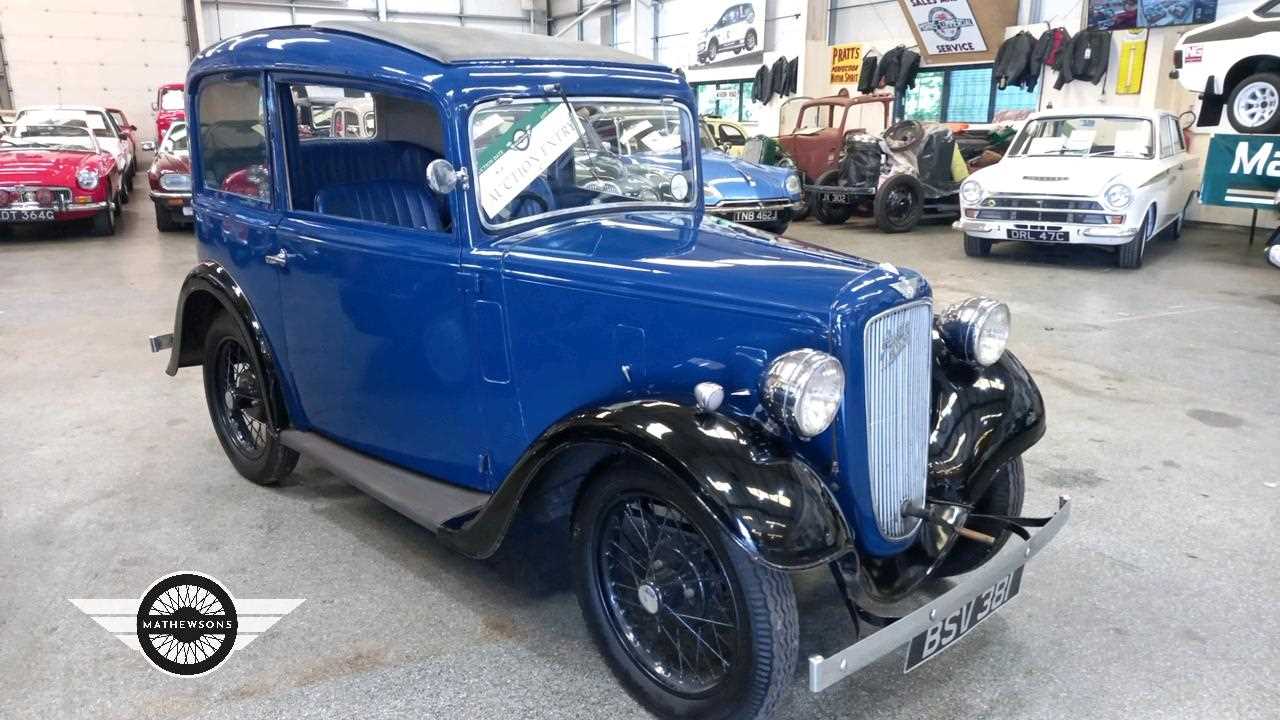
[[57, 173]]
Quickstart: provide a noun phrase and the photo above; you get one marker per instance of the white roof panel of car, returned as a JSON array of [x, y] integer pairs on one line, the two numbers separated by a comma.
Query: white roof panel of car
[[1099, 112], [451, 44]]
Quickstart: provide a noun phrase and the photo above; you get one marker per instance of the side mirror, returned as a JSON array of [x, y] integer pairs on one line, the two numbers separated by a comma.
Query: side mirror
[[148, 146], [155, 107], [442, 177], [131, 128], [1188, 119]]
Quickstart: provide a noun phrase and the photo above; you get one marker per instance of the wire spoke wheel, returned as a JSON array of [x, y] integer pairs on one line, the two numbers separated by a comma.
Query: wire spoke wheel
[[239, 398], [666, 595]]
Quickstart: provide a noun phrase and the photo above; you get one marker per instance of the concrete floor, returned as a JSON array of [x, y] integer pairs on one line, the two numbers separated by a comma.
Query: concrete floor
[[1157, 601]]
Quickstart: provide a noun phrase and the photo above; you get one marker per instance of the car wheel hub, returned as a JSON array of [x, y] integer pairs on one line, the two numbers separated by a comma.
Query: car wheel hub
[[648, 599], [1257, 103]]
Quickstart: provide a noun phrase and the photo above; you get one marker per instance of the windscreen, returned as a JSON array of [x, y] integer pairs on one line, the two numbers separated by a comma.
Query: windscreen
[[1086, 137], [545, 156]]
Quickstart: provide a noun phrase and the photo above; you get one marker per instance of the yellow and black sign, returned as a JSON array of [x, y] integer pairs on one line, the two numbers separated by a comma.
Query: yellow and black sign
[[846, 63]]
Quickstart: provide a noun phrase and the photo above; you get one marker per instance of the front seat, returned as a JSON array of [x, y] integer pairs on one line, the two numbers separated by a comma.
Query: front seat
[[390, 202]]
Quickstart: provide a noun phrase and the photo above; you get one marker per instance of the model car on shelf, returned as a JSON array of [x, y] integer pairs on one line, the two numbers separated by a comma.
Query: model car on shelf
[[727, 136], [169, 107], [757, 195], [1235, 63], [1118, 178], [169, 178], [58, 173], [469, 318], [109, 137], [733, 30], [910, 173], [821, 130]]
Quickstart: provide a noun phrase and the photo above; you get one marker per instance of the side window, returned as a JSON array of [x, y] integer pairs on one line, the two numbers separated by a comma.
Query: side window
[[1167, 146], [363, 155], [731, 135], [233, 140]]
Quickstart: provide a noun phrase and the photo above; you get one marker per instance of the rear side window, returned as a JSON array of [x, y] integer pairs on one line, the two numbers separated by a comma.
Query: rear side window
[[363, 155], [171, 99], [731, 135], [233, 140]]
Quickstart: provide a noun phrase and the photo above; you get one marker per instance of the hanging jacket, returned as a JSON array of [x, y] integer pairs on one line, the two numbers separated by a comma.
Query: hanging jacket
[[760, 88], [889, 67], [908, 66], [793, 76], [1013, 63], [1048, 46], [1086, 58], [778, 76], [867, 75]]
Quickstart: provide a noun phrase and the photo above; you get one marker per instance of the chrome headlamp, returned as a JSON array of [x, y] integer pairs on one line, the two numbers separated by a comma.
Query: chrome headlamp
[[793, 184], [971, 192], [976, 330], [803, 389], [1118, 196], [178, 182], [87, 178]]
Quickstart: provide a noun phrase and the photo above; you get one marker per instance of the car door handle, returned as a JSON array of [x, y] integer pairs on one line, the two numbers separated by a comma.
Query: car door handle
[[280, 259]]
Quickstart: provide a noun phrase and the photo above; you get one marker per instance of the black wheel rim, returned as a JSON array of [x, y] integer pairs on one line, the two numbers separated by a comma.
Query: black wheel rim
[[238, 396], [666, 595], [900, 204]]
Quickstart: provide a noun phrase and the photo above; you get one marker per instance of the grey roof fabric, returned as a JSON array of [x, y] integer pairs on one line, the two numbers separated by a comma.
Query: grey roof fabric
[[451, 44]]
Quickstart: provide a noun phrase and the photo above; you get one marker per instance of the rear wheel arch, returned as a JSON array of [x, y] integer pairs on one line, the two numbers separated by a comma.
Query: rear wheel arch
[[1245, 67], [207, 293]]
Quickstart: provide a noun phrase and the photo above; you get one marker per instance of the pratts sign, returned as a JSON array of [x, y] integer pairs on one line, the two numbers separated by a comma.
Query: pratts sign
[[1241, 171]]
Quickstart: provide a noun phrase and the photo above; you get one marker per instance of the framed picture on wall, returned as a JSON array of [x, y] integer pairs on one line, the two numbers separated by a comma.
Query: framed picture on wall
[[1130, 14], [728, 31]]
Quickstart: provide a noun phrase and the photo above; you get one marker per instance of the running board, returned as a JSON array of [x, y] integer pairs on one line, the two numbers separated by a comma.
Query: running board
[[425, 500]]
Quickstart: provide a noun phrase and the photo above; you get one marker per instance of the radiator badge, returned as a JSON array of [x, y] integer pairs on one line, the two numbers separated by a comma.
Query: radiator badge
[[893, 345], [186, 624]]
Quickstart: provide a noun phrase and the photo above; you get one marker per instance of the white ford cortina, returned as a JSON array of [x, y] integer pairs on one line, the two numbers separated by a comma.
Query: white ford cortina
[[1086, 177]]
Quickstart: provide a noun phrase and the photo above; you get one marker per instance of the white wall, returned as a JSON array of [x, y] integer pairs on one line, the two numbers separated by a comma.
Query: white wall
[[112, 54]]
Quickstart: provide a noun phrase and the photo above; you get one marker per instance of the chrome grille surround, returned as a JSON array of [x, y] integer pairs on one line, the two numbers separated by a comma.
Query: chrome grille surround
[[897, 348]]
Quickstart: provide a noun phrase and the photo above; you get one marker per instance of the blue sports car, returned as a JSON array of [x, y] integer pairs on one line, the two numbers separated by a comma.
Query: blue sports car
[[757, 195]]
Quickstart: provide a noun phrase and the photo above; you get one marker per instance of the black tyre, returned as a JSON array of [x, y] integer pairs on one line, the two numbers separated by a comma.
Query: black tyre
[[750, 40], [124, 191], [1004, 497], [828, 213], [688, 624], [1254, 104], [976, 246], [164, 219], [712, 48], [777, 228], [1129, 255], [899, 204], [237, 406], [104, 223]]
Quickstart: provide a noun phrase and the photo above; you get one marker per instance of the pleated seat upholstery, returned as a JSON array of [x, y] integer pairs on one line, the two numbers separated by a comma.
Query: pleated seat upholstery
[[390, 202]]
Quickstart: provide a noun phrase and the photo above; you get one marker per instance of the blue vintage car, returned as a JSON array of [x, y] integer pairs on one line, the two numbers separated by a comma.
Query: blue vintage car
[[476, 308], [757, 195]]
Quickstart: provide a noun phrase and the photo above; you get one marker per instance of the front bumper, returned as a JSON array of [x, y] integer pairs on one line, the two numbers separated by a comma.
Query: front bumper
[[1076, 234], [827, 671], [735, 211]]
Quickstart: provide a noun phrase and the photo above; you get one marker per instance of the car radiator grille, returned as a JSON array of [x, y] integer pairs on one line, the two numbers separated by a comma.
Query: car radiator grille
[[897, 345], [1047, 209]]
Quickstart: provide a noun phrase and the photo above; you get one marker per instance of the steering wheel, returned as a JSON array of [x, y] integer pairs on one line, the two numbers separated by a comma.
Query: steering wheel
[[526, 204]]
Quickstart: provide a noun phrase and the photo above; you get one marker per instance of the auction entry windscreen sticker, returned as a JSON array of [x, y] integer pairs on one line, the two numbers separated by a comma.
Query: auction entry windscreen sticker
[[510, 162]]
